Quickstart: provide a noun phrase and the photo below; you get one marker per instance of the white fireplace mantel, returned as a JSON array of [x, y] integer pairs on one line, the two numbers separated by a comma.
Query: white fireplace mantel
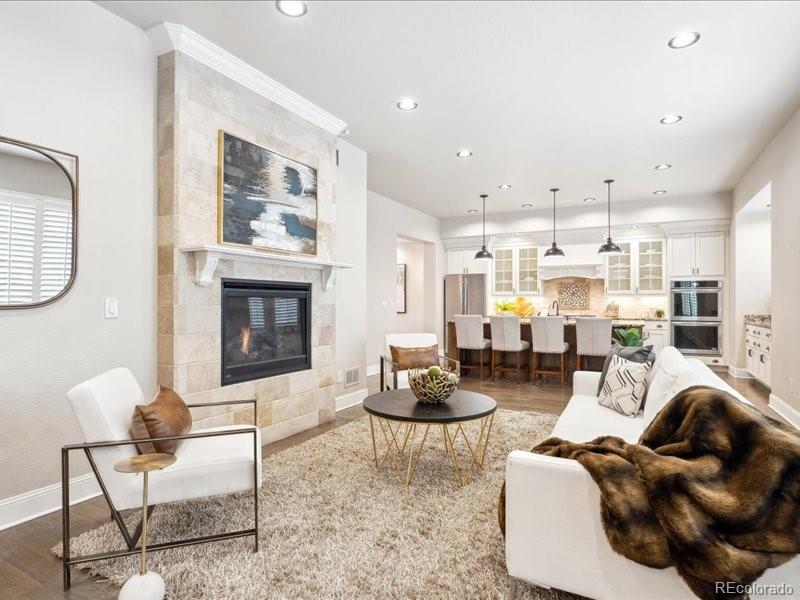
[[207, 257]]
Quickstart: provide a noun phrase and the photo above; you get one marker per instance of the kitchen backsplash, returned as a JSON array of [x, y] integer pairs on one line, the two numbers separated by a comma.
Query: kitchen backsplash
[[574, 290]]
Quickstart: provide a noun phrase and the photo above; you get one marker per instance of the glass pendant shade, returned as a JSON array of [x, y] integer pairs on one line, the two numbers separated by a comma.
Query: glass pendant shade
[[483, 253], [609, 247], [554, 250]]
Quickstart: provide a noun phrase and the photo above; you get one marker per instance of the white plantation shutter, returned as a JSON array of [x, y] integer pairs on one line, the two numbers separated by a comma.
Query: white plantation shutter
[[56, 259], [17, 251], [35, 247]]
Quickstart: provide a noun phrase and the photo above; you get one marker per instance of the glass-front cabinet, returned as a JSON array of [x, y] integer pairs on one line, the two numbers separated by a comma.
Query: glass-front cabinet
[[619, 272], [639, 269], [515, 270]]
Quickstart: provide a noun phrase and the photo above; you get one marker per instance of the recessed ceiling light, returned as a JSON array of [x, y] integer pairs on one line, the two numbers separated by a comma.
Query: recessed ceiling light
[[670, 119], [407, 104], [663, 167], [513, 235], [472, 211], [634, 227], [527, 206], [504, 186], [589, 199], [292, 8], [684, 40], [659, 192], [464, 153]]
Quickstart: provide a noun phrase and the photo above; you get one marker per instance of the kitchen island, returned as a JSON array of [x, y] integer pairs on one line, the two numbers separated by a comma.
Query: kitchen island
[[588, 363]]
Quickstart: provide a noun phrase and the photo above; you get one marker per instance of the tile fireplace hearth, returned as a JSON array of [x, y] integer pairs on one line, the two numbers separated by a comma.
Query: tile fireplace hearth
[[266, 329]]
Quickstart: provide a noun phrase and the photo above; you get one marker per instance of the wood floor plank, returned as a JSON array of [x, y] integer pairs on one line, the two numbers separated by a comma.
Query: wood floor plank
[[29, 571]]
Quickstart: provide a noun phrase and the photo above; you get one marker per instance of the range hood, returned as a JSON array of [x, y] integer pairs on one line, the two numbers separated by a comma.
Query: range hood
[[579, 260]]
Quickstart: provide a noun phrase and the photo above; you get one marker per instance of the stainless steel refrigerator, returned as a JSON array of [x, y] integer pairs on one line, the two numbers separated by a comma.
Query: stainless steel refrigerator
[[464, 295]]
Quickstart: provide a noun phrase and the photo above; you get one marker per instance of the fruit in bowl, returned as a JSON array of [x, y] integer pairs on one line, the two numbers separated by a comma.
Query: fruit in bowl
[[433, 385]]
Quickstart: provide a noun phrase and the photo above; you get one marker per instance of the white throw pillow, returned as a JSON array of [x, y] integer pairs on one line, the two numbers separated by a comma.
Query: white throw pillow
[[624, 387], [671, 372]]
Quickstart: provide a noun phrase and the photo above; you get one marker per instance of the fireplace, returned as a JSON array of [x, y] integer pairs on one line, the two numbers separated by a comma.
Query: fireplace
[[266, 329]]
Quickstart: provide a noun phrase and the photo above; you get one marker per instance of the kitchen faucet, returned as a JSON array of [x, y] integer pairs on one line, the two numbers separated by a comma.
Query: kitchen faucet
[[555, 303]]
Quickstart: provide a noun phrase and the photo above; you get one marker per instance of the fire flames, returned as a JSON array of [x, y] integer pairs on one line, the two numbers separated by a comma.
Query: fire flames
[[246, 332]]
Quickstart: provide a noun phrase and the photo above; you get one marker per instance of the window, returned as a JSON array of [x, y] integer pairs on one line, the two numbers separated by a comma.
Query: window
[[35, 247]]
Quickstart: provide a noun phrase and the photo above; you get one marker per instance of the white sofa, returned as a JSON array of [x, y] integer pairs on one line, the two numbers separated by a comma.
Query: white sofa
[[554, 534]]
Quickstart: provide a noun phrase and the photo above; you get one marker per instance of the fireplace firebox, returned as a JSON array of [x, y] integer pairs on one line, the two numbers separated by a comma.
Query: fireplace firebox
[[266, 329]]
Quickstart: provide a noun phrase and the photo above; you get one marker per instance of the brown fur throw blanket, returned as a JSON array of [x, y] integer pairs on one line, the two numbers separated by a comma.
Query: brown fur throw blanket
[[712, 488]]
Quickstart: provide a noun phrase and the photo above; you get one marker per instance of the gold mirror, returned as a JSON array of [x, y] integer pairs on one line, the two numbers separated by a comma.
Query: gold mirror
[[38, 223]]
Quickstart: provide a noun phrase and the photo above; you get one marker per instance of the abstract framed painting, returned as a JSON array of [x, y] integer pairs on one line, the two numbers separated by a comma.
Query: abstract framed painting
[[266, 200], [400, 288]]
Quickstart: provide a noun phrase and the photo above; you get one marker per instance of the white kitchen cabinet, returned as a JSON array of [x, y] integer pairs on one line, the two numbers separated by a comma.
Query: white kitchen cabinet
[[710, 254], [657, 334], [697, 255], [758, 362], [515, 270], [639, 269], [462, 260]]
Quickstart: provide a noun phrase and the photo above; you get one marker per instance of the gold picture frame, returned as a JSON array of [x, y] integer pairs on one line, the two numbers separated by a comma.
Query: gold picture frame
[[287, 219]]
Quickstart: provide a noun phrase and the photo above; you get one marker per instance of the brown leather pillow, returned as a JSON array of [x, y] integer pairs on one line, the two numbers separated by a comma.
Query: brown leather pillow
[[165, 416], [415, 358]]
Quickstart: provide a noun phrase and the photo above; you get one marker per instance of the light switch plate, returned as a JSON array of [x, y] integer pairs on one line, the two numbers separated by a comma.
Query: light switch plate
[[111, 306]]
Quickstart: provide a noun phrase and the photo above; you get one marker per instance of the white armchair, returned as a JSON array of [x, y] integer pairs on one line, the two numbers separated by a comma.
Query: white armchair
[[210, 461], [389, 370]]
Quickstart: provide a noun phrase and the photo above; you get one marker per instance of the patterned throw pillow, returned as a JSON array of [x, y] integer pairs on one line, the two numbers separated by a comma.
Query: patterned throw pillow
[[625, 385]]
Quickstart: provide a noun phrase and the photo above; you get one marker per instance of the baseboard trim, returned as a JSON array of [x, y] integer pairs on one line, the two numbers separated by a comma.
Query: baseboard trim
[[37, 503], [373, 370], [351, 399], [739, 373], [788, 412]]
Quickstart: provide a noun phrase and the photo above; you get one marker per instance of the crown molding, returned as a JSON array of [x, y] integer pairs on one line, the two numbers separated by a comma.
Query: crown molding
[[168, 37]]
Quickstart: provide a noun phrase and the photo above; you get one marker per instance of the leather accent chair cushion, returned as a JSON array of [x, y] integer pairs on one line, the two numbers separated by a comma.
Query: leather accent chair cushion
[[415, 358], [165, 416]]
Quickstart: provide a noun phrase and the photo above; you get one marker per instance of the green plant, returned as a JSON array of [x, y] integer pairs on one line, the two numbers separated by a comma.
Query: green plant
[[628, 337], [502, 306]]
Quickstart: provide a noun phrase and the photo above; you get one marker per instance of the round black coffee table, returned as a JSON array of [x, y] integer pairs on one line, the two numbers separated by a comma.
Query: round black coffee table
[[398, 415]]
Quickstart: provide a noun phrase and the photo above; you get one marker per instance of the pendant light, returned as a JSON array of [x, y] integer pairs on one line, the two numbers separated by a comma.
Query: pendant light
[[554, 250], [483, 253], [609, 247]]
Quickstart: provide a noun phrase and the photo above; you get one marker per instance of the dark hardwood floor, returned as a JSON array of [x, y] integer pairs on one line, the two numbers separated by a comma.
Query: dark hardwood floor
[[28, 569]]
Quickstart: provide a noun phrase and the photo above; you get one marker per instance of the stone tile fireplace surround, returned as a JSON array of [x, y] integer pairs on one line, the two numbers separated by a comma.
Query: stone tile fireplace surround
[[194, 103]]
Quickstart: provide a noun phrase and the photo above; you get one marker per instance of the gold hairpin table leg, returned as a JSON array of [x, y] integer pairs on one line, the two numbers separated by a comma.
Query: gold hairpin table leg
[[405, 456]]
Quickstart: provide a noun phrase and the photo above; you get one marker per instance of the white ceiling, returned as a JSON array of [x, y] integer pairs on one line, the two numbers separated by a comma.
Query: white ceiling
[[544, 93]]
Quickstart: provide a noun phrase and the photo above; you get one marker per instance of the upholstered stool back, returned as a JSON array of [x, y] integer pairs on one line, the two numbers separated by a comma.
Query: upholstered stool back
[[506, 335], [469, 332], [593, 336], [548, 335]]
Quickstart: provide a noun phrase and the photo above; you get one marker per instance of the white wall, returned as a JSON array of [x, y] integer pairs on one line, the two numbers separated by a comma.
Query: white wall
[[81, 80], [753, 243], [779, 166], [351, 247], [386, 221], [412, 254], [594, 215]]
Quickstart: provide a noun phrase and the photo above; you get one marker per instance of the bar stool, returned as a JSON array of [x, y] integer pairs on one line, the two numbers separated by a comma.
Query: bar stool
[[469, 336], [548, 338], [593, 336], [507, 337]]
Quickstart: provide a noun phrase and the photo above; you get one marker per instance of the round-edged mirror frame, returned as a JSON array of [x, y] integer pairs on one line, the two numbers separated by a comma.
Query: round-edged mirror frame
[[59, 158]]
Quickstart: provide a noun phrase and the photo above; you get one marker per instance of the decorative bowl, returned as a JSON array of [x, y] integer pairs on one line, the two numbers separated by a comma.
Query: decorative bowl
[[433, 385]]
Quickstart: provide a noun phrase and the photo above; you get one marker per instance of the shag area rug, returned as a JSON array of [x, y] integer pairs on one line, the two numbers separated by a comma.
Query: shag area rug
[[333, 526]]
